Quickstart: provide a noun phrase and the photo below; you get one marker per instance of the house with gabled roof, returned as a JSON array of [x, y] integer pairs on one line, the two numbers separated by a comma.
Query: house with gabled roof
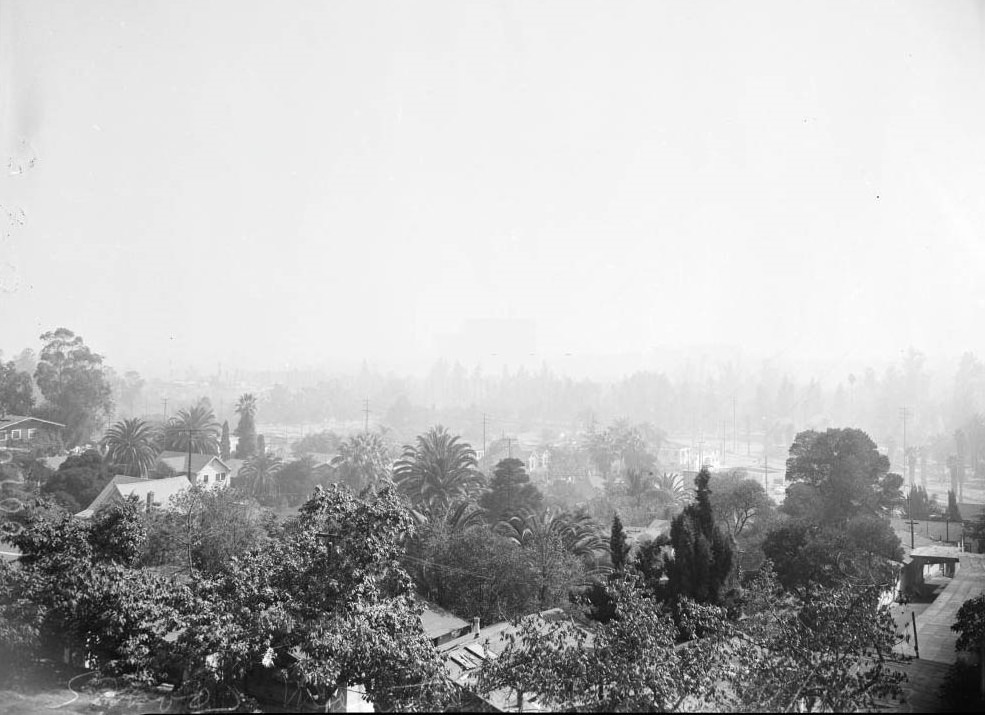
[[20, 433], [151, 493], [207, 470]]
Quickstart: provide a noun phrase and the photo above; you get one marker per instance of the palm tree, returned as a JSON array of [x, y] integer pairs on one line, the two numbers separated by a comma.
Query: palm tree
[[247, 405], [457, 517], [545, 536], [437, 470], [260, 472], [669, 492], [578, 533], [362, 460], [132, 444], [196, 427]]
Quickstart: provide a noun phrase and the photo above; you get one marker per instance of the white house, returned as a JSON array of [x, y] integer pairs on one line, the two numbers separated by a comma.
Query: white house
[[207, 470]]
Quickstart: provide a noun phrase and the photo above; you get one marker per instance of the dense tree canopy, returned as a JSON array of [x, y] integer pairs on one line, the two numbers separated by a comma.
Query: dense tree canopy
[[246, 431], [510, 492], [702, 567], [74, 384], [845, 472], [16, 390], [78, 480]]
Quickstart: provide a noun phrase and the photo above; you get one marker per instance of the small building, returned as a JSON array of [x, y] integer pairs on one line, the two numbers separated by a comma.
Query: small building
[[152, 493], [206, 469], [24, 434], [675, 455]]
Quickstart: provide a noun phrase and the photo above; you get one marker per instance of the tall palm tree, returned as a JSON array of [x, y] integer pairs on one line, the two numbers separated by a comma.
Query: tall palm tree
[[196, 426], [247, 404], [132, 443], [260, 473], [362, 460], [437, 470]]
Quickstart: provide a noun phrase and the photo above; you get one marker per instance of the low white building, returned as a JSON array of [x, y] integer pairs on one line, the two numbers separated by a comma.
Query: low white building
[[207, 470]]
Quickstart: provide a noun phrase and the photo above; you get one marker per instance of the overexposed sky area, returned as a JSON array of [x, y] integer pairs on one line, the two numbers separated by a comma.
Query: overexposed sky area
[[284, 183]]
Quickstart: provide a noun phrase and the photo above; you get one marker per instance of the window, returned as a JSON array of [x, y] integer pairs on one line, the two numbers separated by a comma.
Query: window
[[221, 476], [32, 433], [3, 435], [205, 479], [15, 434]]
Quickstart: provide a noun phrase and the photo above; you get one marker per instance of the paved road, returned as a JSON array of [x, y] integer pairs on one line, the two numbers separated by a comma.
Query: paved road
[[934, 632]]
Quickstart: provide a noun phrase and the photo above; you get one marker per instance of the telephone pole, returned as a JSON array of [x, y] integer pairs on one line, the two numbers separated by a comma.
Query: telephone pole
[[483, 434], [165, 401], [909, 498], [735, 434], [366, 411]]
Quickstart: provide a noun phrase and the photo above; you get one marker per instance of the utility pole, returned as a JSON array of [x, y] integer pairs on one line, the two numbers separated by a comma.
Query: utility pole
[[165, 401], [366, 410], [735, 434], [748, 438], [724, 423], [509, 447], [909, 498], [483, 434]]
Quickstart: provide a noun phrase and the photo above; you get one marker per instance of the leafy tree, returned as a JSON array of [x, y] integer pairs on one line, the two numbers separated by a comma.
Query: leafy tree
[[317, 443], [78, 480], [246, 408], [510, 492], [70, 590], [202, 529], [740, 503], [970, 627], [363, 459], [601, 452], [132, 445], [618, 548], [73, 381], [224, 447], [702, 567], [129, 388], [639, 484], [16, 390], [117, 532], [629, 664], [976, 531], [808, 556], [194, 428], [474, 572], [332, 589], [834, 652], [559, 546], [437, 469], [260, 476], [846, 472]]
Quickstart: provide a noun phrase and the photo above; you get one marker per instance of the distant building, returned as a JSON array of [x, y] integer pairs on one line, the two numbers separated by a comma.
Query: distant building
[[674, 455], [19, 433], [207, 470], [152, 493]]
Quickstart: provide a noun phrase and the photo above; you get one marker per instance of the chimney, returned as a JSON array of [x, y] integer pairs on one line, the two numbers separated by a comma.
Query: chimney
[[475, 627]]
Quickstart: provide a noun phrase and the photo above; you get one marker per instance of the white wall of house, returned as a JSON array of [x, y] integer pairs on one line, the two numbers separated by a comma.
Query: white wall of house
[[213, 475]]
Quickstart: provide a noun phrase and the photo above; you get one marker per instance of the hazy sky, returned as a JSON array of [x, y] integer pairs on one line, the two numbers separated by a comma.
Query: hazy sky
[[289, 182]]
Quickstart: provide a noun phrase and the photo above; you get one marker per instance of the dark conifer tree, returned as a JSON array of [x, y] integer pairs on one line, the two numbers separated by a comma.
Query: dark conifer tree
[[703, 552], [618, 547], [224, 441]]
